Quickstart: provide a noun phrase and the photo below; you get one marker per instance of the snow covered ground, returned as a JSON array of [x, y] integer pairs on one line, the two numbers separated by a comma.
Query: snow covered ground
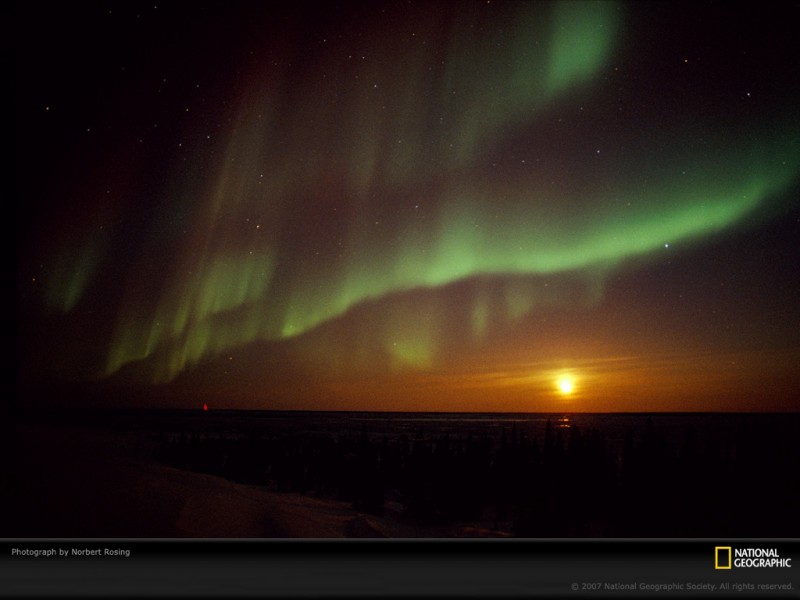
[[71, 481]]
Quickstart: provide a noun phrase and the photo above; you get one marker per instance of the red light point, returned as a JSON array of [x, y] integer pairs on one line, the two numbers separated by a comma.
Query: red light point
[[205, 407]]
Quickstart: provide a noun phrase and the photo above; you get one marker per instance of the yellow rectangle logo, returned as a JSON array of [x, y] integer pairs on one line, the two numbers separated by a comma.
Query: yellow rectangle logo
[[722, 557]]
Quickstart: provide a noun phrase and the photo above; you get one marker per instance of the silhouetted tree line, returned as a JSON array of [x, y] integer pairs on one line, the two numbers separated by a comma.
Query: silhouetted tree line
[[569, 483]]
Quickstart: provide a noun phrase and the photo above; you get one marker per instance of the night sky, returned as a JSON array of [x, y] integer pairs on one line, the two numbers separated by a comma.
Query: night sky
[[455, 206]]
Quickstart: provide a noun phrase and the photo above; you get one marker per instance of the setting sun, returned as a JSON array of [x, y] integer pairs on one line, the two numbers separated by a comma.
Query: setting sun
[[565, 385]]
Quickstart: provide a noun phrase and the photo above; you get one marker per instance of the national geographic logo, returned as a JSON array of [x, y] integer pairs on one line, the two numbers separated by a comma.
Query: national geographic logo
[[728, 557]]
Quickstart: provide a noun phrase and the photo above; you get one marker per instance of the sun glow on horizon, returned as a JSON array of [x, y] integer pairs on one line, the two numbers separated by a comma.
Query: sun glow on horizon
[[565, 384]]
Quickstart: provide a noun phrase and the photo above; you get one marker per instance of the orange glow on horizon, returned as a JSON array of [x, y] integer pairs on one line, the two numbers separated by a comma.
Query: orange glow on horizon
[[670, 382]]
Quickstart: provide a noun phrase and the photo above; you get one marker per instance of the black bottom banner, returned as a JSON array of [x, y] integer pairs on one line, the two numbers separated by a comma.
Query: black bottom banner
[[742, 568]]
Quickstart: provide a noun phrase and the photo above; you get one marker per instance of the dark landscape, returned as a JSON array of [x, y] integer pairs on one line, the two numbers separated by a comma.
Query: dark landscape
[[422, 475]]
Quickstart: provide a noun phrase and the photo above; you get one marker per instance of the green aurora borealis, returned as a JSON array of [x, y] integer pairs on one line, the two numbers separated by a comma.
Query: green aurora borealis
[[412, 199]]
